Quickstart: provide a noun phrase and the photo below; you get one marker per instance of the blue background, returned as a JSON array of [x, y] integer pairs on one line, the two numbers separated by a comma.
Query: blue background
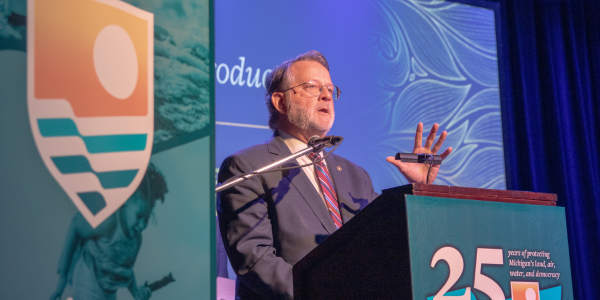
[[397, 63]]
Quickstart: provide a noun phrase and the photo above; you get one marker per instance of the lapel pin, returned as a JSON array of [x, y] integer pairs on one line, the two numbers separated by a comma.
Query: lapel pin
[[339, 168]]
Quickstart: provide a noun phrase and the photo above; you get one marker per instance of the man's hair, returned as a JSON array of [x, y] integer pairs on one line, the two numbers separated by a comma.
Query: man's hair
[[280, 79], [153, 185]]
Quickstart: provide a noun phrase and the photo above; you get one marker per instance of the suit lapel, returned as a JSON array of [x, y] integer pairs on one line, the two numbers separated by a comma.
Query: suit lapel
[[302, 184]]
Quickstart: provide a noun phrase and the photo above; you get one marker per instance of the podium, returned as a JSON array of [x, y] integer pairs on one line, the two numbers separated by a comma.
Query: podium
[[419, 241]]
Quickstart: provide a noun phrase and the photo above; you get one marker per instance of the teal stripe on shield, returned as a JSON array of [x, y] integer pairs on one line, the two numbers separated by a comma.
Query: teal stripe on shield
[[80, 164], [93, 200], [65, 127]]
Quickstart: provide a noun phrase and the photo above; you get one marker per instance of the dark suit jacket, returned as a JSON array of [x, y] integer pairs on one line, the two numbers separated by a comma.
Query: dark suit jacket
[[270, 222]]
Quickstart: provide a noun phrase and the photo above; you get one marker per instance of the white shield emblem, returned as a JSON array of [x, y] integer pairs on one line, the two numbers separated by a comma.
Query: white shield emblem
[[90, 96]]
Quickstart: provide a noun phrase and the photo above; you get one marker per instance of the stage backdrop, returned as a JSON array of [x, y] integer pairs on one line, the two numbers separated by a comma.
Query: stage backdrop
[[107, 149], [397, 63]]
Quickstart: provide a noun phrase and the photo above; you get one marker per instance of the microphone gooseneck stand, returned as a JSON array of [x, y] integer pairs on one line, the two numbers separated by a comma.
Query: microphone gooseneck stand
[[314, 145]]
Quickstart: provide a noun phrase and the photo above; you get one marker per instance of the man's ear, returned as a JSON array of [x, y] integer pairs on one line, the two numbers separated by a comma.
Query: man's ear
[[278, 101]]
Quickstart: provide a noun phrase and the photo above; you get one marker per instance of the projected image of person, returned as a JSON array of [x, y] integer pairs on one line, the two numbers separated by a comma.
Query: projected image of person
[[270, 222], [98, 261]]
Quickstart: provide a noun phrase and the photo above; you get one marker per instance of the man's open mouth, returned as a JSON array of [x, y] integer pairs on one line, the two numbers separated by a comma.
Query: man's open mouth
[[323, 110]]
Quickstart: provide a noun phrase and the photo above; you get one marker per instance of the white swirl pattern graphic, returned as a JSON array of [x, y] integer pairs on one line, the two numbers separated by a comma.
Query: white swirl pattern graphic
[[436, 61]]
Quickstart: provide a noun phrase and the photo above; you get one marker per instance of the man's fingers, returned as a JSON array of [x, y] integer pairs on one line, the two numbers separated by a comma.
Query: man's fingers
[[419, 136], [431, 136], [391, 159], [446, 153], [439, 143]]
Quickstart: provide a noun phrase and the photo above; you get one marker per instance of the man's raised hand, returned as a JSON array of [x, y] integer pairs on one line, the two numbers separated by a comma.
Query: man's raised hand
[[416, 172]]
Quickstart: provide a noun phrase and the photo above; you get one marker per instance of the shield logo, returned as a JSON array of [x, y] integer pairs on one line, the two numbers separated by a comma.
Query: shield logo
[[90, 97], [525, 290]]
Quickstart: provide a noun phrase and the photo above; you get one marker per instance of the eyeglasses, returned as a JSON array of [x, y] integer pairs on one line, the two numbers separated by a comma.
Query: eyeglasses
[[315, 88]]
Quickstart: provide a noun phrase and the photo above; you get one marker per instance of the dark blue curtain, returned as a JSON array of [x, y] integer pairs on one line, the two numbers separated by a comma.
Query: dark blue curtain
[[552, 117]]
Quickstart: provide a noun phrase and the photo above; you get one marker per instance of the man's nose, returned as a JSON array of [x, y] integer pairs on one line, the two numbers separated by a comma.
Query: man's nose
[[326, 94]]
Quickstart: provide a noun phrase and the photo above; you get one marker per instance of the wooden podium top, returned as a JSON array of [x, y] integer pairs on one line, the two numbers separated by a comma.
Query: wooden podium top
[[446, 191]]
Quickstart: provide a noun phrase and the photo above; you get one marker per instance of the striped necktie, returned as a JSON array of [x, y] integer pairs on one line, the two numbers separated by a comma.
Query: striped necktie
[[327, 189]]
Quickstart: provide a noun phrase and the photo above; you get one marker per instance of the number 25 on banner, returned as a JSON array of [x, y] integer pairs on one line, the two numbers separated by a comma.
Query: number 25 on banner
[[485, 256]]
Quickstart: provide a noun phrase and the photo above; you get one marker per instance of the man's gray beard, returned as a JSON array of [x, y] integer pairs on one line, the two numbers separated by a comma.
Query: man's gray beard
[[305, 119]]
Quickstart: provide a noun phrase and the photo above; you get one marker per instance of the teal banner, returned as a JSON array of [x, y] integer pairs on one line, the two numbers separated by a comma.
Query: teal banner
[[107, 189], [467, 249]]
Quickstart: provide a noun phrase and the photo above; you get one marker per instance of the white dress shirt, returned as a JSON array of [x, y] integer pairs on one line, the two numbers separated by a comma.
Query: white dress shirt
[[296, 145]]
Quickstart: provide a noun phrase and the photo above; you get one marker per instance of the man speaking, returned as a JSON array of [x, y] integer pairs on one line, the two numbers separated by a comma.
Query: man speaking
[[271, 221]]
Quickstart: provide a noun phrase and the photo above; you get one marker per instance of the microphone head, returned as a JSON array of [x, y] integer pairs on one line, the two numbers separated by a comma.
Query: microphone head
[[331, 140], [328, 141], [312, 139], [336, 140]]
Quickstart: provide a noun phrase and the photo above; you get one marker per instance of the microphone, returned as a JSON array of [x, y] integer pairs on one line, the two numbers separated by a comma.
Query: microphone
[[419, 158], [312, 139], [329, 141]]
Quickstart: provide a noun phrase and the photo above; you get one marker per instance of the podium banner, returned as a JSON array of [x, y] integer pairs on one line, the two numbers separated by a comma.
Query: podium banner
[[466, 249]]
